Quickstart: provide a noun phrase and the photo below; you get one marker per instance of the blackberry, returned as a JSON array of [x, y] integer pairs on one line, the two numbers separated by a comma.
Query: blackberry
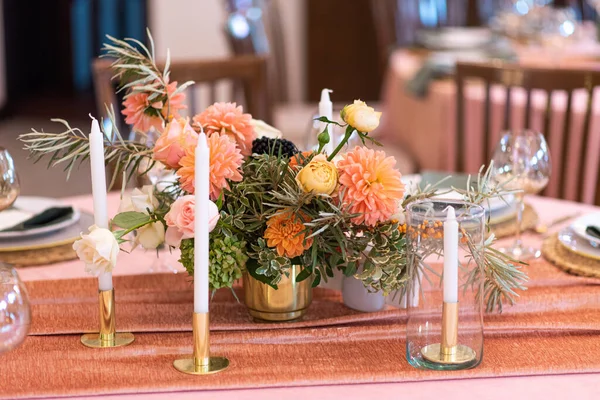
[[265, 145]]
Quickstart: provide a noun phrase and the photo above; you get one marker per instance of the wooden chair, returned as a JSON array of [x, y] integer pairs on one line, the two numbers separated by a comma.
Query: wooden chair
[[265, 39], [248, 71], [550, 81]]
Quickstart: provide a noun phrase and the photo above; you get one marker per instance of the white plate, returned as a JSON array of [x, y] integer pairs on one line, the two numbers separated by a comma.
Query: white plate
[[28, 206], [61, 237], [580, 224], [572, 241]]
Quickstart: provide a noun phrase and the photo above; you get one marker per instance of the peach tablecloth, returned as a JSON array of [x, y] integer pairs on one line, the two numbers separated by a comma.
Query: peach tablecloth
[[581, 386], [426, 126]]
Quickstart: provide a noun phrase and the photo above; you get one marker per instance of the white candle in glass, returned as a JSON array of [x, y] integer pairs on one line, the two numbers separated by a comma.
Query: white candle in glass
[[201, 182], [326, 110], [99, 191], [450, 257]]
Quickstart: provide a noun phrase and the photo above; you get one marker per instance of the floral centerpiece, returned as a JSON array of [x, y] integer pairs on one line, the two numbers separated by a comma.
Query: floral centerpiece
[[274, 209]]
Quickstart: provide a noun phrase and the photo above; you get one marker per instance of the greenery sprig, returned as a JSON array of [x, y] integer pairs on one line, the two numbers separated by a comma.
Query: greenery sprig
[[71, 147]]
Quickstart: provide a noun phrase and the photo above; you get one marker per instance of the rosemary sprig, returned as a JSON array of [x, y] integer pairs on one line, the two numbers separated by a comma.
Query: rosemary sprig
[[71, 147], [136, 67]]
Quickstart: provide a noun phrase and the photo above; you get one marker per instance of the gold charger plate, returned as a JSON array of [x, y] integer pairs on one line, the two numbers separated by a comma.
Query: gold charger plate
[[45, 249], [60, 238], [562, 257]]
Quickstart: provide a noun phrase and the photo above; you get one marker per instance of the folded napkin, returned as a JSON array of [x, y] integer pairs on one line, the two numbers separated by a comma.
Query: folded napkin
[[49, 216], [593, 231]]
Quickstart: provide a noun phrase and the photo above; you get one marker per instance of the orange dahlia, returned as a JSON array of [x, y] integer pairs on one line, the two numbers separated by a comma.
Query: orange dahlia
[[225, 163], [285, 233], [229, 119], [371, 183], [143, 115]]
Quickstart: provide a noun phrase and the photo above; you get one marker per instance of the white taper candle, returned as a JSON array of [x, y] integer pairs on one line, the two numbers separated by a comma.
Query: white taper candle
[[201, 182], [450, 257], [99, 191], [326, 110]]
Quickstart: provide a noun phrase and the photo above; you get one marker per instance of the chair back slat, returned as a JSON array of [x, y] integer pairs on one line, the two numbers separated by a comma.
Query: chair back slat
[[587, 151], [487, 120], [460, 124], [527, 118], [507, 108], [565, 146], [527, 80]]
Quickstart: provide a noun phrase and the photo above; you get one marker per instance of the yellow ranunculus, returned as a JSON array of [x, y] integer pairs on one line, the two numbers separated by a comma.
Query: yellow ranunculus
[[319, 176], [360, 116]]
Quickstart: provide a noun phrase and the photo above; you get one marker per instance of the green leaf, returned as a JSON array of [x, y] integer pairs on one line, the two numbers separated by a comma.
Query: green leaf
[[317, 279], [131, 219], [251, 267], [328, 121], [304, 274]]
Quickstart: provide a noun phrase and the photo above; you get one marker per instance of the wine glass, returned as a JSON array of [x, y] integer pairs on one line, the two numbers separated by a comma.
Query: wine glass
[[9, 181], [522, 162], [15, 315]]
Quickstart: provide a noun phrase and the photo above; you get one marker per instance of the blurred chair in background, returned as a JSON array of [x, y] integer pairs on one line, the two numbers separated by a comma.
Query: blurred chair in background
[[253, 27], [557, 102]]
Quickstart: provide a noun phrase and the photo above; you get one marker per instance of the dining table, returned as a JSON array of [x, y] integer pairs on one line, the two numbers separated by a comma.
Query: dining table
[[533, 376], [424, 124]]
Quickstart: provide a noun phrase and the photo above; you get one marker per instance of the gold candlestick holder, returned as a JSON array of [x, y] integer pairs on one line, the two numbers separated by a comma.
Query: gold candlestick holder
[[107, 337], [449, 351], [201, 363]]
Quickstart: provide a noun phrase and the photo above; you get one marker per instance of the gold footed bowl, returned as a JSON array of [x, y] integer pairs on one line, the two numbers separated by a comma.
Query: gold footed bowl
[[289, 302]]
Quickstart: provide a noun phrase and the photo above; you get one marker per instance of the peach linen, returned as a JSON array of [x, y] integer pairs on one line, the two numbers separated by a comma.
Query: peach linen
[[552, 330], [427, 127]]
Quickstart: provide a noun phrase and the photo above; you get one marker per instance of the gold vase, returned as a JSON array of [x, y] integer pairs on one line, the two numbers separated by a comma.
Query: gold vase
[[286, 303]]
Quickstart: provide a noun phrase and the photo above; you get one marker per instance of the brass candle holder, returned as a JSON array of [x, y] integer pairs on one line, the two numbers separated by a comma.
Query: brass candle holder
[[201, 362], [107, 337], [449, 351]]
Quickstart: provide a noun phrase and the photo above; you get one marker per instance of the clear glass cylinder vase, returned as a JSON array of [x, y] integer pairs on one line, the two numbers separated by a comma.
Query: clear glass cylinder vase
[[445, 294]]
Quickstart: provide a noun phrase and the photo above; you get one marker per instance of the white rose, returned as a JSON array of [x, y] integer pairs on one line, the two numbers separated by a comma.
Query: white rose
[[98, 250], [151, 236], [263, 129], [140, 200]]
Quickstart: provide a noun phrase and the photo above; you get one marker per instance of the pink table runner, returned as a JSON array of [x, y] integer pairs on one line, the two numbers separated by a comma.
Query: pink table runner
[[547, 209]]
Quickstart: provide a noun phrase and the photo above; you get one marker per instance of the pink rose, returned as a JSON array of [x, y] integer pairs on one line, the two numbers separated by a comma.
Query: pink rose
[[172, 143], [180, 219]]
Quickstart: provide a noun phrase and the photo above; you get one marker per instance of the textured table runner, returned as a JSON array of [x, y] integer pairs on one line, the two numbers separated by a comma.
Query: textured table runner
[[554, 329]]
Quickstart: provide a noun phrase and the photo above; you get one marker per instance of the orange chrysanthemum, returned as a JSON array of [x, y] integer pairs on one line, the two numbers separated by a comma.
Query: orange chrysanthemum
[[284, 232], [229, 119], [138, 114], [372, 185], [225, 163]]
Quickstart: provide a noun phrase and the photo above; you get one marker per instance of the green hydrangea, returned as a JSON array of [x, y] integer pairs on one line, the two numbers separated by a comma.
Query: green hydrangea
[[227, 260]]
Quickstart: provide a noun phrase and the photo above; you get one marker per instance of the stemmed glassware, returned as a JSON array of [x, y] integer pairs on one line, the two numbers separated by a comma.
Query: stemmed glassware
[[15, 315], [9, 181], [522, 162]]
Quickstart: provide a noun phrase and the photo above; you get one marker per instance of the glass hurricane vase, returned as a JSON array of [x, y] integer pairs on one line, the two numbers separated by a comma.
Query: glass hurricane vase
[[445, 321]]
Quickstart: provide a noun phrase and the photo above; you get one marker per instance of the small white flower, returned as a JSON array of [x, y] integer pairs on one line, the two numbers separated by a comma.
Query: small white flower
[[399, 215], [151, 236], [98, 250], [263, 129], [139, 200]]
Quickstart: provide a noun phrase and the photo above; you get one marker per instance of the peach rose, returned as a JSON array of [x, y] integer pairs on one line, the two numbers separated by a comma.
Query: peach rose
[[181, 216], [172, 143]]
